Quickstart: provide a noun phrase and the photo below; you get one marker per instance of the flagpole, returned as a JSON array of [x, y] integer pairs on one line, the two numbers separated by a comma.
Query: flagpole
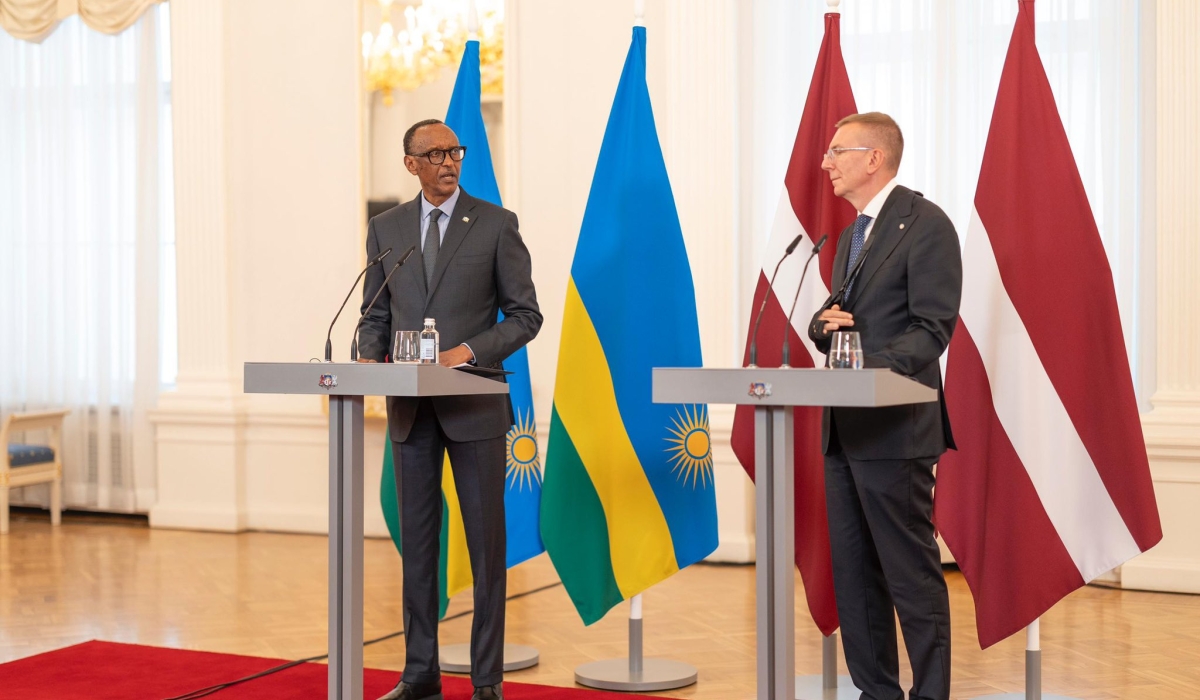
[[636, 673], [1033, 669], [828, 685], [1033, 660]]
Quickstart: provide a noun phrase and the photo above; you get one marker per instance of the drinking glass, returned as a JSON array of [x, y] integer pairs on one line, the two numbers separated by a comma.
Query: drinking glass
[[407, 348], [846, 351]]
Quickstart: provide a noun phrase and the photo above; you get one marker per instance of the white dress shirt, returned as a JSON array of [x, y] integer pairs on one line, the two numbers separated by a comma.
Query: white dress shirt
[[447, 209], [876, 203]]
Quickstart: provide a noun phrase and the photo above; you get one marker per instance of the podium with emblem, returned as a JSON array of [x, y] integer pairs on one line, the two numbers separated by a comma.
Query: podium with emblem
[[346, 384], [774, 392]]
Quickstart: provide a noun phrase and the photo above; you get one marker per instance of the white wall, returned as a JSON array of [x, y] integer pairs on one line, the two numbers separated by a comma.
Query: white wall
[[269, 224], [1172, 428]]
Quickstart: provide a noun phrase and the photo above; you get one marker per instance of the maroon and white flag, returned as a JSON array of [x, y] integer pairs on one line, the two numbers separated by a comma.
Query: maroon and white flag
[[807, 206], [1050, 486]]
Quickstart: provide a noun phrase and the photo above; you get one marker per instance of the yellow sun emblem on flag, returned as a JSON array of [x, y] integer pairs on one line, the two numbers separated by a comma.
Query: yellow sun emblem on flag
[[523, 461], [691, 446]]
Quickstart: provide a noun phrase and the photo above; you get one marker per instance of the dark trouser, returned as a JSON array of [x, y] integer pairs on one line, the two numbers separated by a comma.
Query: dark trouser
[[885, 558], [479, 480]]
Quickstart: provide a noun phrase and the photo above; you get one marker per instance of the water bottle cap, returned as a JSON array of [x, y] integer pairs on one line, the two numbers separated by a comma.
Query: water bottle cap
[[429, 321]]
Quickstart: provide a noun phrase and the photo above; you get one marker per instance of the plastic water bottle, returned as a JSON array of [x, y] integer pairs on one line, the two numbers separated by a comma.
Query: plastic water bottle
[[429, 343]]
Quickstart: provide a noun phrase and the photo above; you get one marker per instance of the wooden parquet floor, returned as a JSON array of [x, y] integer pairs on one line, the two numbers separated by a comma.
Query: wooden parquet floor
[[264, 594]]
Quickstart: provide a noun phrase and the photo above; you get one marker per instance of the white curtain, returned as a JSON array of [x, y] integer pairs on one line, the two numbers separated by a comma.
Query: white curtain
[[935, 66], [84, 214]]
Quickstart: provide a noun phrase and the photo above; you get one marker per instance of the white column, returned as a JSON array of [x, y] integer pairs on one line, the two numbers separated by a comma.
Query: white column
[[270, 227], [698, 117], [198, 425], [1172, 428]]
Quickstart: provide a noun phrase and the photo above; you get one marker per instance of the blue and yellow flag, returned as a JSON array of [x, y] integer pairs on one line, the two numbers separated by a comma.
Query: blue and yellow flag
[[523, 474], [628, 498]]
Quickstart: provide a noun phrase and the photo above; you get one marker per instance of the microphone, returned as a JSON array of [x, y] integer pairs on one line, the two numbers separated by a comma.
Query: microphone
[[787, 327], [363, 317], [763, 307], [374, 261]]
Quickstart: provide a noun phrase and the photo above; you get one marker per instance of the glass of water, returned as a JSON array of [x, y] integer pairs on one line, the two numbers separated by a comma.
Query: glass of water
[[408, 347], [846, 351]]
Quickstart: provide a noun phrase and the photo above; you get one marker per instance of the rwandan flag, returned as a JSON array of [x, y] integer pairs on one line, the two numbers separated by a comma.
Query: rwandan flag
[[524, 476], [629, 497]]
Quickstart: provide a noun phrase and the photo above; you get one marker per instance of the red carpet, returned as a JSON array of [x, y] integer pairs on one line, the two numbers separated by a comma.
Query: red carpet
[[108, 671]]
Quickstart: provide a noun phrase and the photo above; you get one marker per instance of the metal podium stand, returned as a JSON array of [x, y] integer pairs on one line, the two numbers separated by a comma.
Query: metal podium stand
[[346, 384], [773, 393]]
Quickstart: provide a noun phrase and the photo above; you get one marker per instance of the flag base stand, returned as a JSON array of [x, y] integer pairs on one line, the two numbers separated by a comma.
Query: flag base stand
[[456, 658], [636, 674], [829, 685], [814, 688], [619, 674], [1033, 670]]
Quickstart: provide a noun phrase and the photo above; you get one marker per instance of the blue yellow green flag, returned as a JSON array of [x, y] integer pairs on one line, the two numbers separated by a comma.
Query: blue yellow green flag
[[628, 497], [523, 470]]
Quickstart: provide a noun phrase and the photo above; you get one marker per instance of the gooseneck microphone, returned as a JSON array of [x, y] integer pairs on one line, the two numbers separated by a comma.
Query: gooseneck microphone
[[374, 261], [363, 317], [788, 326], [763, 307]]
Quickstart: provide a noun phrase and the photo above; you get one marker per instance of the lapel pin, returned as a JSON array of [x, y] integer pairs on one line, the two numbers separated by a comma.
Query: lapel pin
[[901, 227], [466, 219]]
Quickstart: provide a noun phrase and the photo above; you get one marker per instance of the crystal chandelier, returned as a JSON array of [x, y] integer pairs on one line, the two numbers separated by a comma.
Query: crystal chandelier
[[433, 35]]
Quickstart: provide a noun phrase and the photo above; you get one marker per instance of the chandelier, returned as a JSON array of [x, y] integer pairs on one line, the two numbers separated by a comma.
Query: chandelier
[[432, 36]]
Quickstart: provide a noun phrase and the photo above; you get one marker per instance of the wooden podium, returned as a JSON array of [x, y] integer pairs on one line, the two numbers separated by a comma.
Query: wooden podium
[[345, 384], [774, 392]]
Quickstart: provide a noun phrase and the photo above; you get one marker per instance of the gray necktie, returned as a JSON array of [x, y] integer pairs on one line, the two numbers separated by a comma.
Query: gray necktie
[[433, 242]]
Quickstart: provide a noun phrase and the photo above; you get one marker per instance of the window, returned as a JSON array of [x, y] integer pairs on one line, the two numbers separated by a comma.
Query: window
[[87, 244]]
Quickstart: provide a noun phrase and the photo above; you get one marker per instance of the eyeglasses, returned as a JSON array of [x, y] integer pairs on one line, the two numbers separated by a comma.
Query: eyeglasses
[[438, 156], [835, 152]]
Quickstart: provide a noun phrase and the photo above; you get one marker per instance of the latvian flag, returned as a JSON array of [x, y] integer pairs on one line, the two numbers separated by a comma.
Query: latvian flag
[[1050, 486], [807, 206]]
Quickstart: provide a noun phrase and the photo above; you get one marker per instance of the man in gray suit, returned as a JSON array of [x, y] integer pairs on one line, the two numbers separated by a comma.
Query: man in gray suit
[[903, 301], [472, 264]]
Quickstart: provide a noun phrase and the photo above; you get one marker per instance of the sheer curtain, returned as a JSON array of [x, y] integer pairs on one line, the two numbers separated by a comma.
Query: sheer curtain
[[935, 66], [84, 220]]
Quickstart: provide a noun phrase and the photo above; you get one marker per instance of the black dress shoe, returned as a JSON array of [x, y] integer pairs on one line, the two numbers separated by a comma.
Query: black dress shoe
[[414, 691], [488, 692]]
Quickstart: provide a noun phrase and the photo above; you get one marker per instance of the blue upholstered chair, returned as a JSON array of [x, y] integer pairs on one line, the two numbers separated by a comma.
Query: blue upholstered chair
[[23, 465]]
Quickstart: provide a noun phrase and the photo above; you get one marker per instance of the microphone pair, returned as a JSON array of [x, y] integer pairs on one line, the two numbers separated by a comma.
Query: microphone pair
[[771, 285], [378, 259]]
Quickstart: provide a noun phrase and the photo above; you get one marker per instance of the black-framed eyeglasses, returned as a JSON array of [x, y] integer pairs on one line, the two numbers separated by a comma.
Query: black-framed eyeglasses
[[438, 155]]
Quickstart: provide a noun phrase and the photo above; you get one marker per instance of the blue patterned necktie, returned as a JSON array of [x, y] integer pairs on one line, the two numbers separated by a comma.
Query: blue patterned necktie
[[856, 246]]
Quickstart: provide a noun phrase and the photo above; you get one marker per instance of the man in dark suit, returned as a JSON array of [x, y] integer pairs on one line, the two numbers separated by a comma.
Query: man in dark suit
[[472, 264], [879, 461]]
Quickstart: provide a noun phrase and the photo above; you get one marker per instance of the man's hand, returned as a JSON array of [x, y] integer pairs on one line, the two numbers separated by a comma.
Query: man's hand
[[456, 356], [366, 359], [835, 318]]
